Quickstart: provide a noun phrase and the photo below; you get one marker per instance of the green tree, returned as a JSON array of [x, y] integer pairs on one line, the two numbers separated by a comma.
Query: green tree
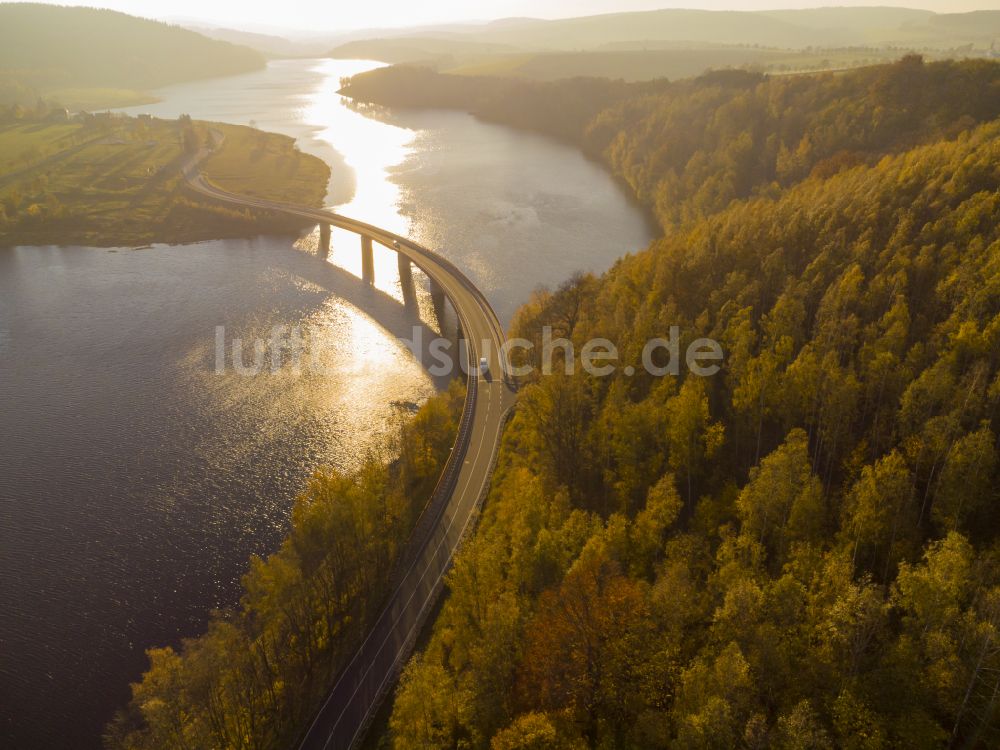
[[559, 410], [535, 731], [691, 435], [713, 701], [880, 515], [425, 713], [801, 729], [966, 482], [783, 501], [647, 533]]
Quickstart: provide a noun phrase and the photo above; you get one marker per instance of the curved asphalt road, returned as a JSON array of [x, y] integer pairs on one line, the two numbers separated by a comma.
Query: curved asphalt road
[[352, 702]]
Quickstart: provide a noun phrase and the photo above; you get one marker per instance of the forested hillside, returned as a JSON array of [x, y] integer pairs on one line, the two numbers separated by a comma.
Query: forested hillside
[[801, 551], [48, 48], [729, 136]]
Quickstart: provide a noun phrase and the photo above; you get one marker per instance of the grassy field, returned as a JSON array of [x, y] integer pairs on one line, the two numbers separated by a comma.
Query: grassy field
[[116, 181], [265, 165]]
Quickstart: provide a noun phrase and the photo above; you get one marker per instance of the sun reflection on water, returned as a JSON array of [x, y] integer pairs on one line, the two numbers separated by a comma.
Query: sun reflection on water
[[374, 148], [371, 149]]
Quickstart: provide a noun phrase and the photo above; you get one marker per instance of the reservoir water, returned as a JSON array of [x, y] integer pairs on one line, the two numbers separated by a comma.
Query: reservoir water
[[135, 479]]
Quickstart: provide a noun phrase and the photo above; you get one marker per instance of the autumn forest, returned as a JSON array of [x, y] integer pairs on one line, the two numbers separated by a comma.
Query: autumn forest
[[802, 551]]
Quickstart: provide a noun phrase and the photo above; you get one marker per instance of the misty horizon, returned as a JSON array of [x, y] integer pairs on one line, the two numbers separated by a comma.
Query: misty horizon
[[305, 19]]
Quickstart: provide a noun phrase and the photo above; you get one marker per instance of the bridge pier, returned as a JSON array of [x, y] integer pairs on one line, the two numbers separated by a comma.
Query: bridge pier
[[406, 280], [367, 260], [437, 300], [324, 240]]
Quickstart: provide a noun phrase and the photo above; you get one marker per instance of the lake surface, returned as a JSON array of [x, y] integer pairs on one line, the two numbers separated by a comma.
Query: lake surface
[[135, 479]]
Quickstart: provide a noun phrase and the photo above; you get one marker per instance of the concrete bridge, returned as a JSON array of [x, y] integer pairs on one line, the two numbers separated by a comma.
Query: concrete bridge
[[450, 513]]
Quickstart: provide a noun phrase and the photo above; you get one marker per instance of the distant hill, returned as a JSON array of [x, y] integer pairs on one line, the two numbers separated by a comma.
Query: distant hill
[[593, 32], [50, 47], [976, 23], [842, 36], [789, 29], [268, 44], [858, 20], [418, 49], [728, 27], [673, 62]]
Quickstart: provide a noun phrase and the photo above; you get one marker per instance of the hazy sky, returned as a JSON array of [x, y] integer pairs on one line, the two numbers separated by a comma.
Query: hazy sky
[[323, 15]]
